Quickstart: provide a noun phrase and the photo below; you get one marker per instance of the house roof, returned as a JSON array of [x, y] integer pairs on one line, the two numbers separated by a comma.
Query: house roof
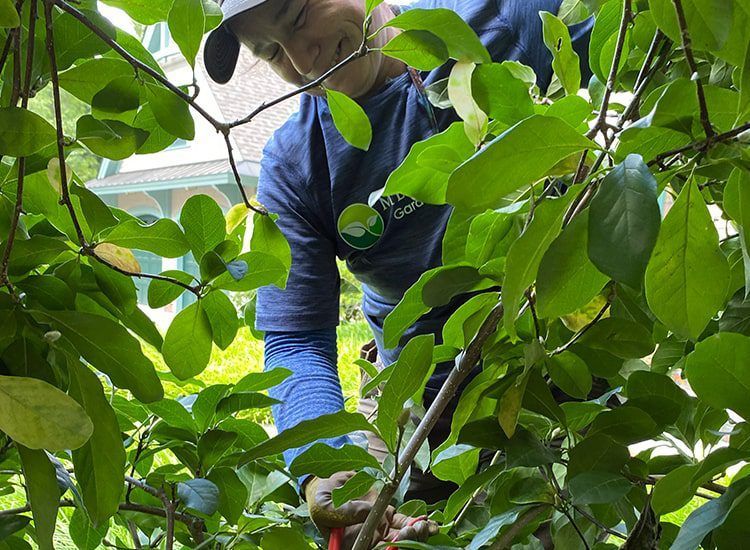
[[252, 84], [161, 177]]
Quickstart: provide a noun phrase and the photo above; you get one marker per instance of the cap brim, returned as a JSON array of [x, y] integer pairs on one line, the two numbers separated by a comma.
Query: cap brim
[[220, 54]]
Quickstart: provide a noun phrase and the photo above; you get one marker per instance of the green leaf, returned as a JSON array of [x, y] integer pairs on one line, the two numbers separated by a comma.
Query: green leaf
[[440, 289], [350, 119], [570, 373], [213, 445], [13, 523], [187, 344], [624, 216], [626, 424], [8, 15], [222, 316], [109, 138], [463, 324], [28, 254], [410, 370], [242, 401], [474, 187], [565, 62], [117, 287], [708, 21], [158, 138], [267, 238], [44, 494], [710, 516], [110, 348], [163, 237], [526, 253], [604, 34], [100, 463], [538, 398], [173, 413], [323, 461], [203, 222], [719, 373], [186, 23], [263, 269], [426, 181], [490, 237], [370, 6], [161, 293], [307, 431], [461, 41], [259, 381], [146, 12], [358, 485], [118, 100], [84, 535], [656, 394], [567, 279], [500, 94], [24, 133], [419, 49], [460, 95], [597, 453], [457, 463], [598, 487], [86, 79], [621, 337], [688, 275], [200, 495], [171, 112], [232, 493], [40, 416]]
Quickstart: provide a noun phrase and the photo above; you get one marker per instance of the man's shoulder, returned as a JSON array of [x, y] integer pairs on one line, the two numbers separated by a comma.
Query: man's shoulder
[[293, 142]]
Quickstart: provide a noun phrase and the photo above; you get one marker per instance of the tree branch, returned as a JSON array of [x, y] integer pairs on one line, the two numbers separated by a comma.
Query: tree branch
[[464, 364], [702, 144], [687, 47], [612, 78]]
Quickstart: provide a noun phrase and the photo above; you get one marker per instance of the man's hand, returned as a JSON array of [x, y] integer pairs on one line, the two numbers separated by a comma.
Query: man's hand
[[351, 515]]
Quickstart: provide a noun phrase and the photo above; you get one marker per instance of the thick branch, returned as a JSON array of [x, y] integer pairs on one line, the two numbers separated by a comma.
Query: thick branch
[[464, 364], [687, 47]]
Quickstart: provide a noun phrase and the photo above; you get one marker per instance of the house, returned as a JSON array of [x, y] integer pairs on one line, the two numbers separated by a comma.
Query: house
[[156, 185]]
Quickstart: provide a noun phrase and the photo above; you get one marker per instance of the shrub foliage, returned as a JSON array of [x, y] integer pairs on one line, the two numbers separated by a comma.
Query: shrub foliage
[[585, 225]]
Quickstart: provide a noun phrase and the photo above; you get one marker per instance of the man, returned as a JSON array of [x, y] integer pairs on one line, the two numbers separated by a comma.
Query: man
[[319, 186]]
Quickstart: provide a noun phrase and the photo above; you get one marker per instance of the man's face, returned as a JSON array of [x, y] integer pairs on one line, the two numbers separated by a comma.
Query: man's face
[[302, 39]]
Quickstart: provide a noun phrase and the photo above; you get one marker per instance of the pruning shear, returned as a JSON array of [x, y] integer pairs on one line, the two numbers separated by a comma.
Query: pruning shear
[[336, 539]]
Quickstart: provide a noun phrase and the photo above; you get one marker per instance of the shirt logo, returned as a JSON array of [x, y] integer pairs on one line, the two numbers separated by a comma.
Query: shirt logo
[[360, 226]]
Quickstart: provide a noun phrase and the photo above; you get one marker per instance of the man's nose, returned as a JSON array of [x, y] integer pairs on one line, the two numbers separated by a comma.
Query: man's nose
[[303, 55]]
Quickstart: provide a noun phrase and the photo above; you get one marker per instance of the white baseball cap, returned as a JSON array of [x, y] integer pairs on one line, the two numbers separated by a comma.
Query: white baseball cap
[[222, 47]]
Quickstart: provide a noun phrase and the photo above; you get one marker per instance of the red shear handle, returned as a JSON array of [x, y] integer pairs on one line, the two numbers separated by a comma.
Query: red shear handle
[[336, 539], [411, 522]]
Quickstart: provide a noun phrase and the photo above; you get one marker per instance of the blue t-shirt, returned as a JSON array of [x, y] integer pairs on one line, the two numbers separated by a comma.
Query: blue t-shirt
[[319, 186]]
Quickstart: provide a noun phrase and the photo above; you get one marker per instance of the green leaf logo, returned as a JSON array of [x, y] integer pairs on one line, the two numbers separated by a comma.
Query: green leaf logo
[[360, 226]]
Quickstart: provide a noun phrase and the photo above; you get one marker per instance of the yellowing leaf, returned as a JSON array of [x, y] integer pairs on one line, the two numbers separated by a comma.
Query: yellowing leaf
[[118, 256]]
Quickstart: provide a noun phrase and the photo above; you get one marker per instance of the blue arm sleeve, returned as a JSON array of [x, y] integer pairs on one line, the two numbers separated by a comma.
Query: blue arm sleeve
[[313, 389]]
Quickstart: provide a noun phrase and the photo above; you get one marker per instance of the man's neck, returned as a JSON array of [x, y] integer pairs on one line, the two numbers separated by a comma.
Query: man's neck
[[390, 68]]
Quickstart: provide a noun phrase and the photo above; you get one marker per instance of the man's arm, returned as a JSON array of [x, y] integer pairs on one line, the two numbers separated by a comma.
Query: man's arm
[[313, 389]]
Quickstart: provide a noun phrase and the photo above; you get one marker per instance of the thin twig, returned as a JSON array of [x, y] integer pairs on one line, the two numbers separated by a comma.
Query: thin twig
[[475, 494], [701, 144], [464, 364], [584, 330], [362, 51], [600, 525], [687, 47], [612, 78], [22, 160]]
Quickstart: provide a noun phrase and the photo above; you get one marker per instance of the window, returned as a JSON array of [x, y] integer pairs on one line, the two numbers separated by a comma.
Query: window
[[158, 41], [149, 262]]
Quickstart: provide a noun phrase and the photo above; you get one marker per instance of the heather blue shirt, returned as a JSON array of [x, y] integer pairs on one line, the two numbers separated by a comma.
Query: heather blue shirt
[[319, 185]]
